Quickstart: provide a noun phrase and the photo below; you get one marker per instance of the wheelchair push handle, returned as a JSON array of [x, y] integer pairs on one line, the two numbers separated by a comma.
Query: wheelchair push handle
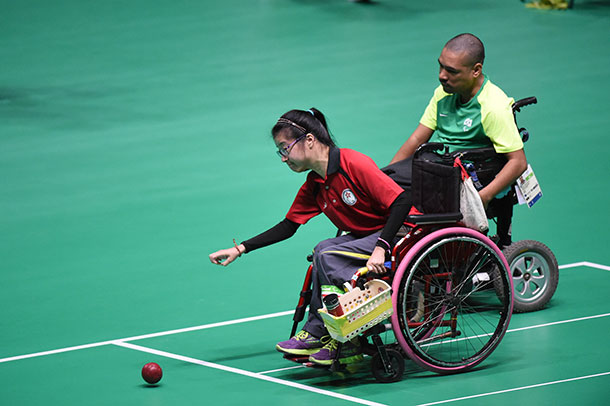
[[524, 102]]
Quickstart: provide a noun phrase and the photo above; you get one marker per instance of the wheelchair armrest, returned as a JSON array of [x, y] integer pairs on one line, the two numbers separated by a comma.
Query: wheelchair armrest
[[477, 154], [428, 147], [434, 218]]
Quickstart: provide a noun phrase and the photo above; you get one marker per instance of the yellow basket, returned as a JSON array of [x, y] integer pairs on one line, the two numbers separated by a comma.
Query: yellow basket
[[363, 309]]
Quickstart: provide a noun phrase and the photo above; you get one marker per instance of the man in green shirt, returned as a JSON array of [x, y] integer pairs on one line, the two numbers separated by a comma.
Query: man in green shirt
[[468, 111]]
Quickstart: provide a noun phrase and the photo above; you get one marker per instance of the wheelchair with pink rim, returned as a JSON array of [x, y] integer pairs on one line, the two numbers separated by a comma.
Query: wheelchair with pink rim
[[453, 289]]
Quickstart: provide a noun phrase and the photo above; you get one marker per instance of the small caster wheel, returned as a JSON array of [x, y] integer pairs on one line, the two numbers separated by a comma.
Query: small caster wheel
[[396, 361]]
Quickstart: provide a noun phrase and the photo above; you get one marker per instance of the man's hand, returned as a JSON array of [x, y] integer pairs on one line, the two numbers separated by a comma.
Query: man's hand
[[515, 165], [485, 198]]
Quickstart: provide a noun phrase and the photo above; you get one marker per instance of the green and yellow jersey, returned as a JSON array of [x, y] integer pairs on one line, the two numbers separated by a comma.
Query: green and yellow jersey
[[485, 120]]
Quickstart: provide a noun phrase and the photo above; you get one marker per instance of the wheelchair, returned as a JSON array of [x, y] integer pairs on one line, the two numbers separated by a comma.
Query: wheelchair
[[452, 293]]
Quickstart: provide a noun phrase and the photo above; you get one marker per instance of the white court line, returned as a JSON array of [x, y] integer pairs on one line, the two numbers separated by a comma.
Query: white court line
[[512, 330], [585, 263], [58, 351], [553, 323], [247, 373], [220, 324], [160, 334], [206, 326], [516, 389], [281, 369]]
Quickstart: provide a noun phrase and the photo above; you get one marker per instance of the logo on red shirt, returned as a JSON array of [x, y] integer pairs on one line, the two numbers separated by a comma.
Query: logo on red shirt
[[348, 197]]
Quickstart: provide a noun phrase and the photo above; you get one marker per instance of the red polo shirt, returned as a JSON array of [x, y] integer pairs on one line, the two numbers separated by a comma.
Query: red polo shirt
[[355, 196]]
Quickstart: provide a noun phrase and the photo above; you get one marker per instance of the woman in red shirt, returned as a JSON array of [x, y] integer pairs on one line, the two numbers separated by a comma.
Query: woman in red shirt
[[356, 196]]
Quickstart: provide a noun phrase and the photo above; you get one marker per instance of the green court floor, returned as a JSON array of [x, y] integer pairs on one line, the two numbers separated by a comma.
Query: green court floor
[[134, 141]]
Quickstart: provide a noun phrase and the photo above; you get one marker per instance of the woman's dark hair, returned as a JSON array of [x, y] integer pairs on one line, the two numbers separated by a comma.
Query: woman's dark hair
[[298, 122]]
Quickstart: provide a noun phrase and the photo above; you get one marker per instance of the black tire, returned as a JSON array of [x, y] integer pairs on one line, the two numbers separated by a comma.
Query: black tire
[[535, 273], [398, 366]]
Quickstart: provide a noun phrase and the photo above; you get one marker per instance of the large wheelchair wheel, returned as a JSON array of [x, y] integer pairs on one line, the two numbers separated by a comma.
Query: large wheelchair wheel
[[535, 274], [447, 315]]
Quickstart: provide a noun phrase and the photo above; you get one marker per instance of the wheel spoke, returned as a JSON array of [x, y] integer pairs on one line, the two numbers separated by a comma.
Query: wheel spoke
[[536, 265]]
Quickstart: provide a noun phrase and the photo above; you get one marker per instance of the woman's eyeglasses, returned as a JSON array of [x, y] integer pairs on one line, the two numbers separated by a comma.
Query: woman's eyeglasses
[[284, 151]]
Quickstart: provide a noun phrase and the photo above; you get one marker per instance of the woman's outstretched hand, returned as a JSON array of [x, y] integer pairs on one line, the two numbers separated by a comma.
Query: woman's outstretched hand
[[226, 256]]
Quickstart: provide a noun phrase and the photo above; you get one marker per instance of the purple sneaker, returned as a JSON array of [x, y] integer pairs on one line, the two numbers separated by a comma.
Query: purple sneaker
[[350, 353], [302, 343]]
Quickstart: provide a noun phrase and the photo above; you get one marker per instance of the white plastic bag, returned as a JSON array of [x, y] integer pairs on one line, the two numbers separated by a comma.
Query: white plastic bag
[[472, 208]]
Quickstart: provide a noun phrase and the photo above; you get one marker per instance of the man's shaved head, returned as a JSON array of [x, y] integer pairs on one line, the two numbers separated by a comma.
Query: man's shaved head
[[470, 44]]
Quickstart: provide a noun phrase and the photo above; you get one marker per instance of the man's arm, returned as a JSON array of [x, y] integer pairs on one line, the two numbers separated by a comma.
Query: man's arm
[[421, 135], [516, 164]]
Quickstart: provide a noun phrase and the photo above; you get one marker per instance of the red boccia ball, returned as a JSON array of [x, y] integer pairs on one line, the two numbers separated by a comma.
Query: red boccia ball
[[152, 372]]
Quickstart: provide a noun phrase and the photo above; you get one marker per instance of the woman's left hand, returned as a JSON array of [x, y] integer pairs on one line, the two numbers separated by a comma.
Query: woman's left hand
[[376, 262]]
